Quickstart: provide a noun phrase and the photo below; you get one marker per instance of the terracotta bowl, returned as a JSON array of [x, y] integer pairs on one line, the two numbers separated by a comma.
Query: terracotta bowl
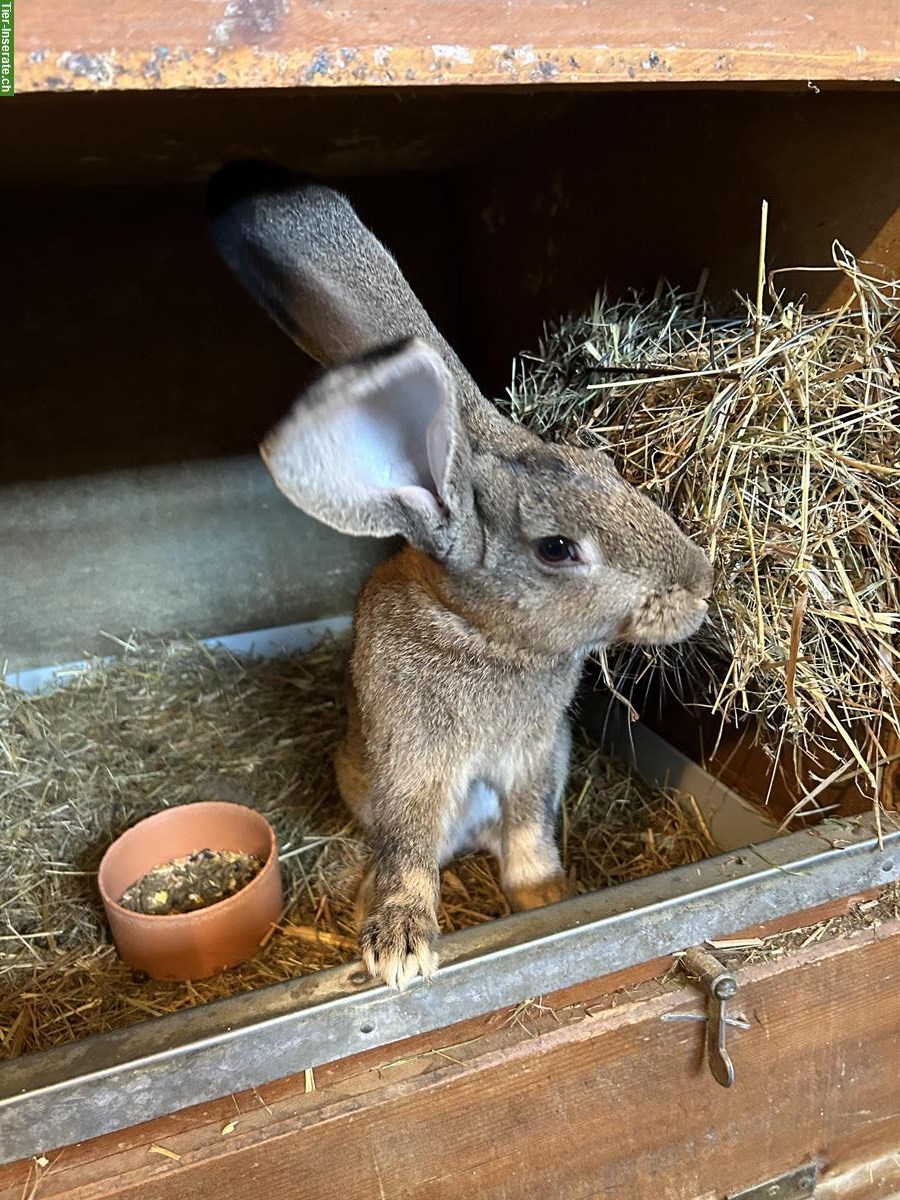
[[197, 944]]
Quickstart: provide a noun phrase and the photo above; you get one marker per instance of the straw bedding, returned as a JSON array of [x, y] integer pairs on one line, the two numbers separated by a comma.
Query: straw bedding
[[774, 438], [173, 723]]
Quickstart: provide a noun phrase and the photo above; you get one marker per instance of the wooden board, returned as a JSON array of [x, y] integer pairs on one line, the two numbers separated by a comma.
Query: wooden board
[[121, 304], [145, 44], [628, 189], [143, 349], [577, 1097]]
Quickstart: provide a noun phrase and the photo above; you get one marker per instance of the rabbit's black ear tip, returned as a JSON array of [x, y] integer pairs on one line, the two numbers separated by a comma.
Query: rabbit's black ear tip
[[245, 179]]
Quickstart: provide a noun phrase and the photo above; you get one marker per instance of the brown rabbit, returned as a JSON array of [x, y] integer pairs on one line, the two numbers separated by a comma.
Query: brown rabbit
[[522, 557]]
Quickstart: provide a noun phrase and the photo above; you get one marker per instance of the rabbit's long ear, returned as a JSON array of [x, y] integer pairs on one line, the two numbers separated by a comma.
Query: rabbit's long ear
[[303, 253], [377, 447]]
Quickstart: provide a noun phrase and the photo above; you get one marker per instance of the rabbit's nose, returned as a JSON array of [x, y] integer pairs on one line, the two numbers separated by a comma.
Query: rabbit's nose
[[700, 578]]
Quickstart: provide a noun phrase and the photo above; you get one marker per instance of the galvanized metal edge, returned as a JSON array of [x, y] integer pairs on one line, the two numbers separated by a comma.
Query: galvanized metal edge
[[266, 643], [732, 821], [94, 1087]]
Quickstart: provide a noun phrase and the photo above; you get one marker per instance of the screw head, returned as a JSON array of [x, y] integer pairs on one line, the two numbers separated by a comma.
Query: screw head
[[359, 978], [725, 988]]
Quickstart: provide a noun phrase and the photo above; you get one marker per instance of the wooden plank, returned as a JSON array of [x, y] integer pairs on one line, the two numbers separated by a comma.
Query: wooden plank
[[211, 347], [144, 44], [173, 137], [557, 1104]]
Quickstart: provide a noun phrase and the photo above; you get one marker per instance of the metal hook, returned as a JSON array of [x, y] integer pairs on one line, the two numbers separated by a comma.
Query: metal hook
[[720, 986]]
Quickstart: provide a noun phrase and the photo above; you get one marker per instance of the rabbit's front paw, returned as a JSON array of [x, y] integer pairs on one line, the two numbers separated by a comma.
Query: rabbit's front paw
[[396, 944], [536, 895]]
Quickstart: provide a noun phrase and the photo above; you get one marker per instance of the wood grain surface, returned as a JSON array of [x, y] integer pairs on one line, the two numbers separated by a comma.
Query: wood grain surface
[[142, 44], [604, 1099]]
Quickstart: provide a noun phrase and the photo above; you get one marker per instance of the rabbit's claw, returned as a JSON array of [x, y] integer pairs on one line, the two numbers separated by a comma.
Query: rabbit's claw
[[396, 943]]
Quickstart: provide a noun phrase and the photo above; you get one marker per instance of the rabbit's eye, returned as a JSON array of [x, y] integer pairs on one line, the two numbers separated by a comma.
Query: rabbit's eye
[[556, 551]]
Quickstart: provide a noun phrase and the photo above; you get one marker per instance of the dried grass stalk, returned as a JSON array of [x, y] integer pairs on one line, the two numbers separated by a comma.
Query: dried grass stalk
[[773, 437]]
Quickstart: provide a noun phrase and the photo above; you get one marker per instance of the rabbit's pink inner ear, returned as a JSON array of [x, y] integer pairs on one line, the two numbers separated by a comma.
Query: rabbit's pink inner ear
[[388, 423], [368, 449], [439, 441]]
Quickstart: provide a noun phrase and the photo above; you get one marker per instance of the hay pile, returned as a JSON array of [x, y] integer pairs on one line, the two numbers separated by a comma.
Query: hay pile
[[175, 723], [774, 438]]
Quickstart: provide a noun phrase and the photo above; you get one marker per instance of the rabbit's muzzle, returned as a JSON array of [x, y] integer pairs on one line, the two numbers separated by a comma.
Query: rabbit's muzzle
[[675, 611], [664, 617]]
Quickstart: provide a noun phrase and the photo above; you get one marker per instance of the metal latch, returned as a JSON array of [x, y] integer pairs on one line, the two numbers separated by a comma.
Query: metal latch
[[720, 987], [797, 1184]]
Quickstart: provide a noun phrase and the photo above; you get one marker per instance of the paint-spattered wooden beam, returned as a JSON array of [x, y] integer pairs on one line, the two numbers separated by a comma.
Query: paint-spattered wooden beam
[[146, 44]]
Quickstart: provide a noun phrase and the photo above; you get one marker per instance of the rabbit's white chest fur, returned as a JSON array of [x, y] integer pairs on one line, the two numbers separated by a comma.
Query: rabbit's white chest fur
[[473, 819], [474, 825]]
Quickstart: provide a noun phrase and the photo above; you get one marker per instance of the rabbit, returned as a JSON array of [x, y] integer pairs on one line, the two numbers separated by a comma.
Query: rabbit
[[521, 558]]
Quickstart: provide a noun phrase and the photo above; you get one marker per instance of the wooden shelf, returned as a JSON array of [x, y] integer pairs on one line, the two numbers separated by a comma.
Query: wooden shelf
[[146, 44]]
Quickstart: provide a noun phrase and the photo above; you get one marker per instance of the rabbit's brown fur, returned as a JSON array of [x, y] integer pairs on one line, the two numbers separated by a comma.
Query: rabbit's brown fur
[[468, 645]]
